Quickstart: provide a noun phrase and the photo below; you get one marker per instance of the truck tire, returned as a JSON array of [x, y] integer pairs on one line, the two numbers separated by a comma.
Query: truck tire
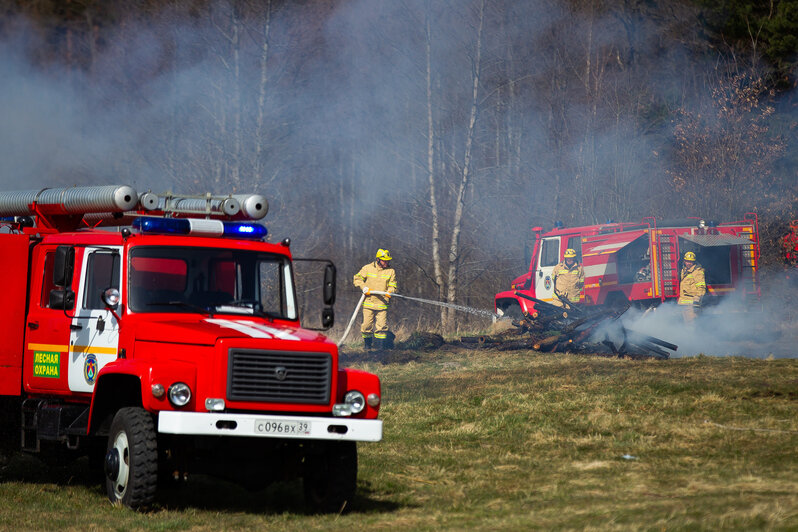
[[513, 311], [131, 459], [330, 478]]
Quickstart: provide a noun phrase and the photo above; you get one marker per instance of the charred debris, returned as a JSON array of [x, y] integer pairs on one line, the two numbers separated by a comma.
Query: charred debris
[[571, 328], [549, 328]]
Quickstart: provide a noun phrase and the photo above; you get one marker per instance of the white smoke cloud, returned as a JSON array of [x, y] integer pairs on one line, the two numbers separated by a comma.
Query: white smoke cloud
[[734, 327]]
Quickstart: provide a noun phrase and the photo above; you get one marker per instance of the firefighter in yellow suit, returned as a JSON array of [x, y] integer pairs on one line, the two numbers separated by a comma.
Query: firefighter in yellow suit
[[692, 286], [380, 277], [568, 278]]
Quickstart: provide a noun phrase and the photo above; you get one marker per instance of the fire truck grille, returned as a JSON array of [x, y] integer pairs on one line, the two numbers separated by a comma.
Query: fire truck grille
[[279, 376]]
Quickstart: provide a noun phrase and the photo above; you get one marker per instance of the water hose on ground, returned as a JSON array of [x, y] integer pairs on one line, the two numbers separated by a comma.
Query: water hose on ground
[[352, 319]]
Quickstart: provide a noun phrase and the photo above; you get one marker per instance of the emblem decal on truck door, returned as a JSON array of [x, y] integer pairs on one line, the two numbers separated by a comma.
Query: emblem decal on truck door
[[90, 369]]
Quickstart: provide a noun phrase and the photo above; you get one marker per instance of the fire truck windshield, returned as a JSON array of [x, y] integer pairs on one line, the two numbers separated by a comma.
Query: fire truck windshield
[[213, 280]]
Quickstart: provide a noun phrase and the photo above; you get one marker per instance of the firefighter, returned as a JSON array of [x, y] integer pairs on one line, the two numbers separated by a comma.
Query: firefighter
[[692, 286], [569, 279], [380, 277]]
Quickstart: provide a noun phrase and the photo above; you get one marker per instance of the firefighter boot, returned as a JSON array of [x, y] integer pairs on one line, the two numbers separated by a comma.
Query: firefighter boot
[[367, 342], [379, 344]]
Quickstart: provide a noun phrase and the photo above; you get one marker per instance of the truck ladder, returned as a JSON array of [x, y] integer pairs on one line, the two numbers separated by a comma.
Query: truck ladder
[[749, 258], [669, 254], [748, 267]]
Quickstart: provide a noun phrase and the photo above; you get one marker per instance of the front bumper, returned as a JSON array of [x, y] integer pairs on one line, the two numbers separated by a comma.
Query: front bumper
[[260, 426]]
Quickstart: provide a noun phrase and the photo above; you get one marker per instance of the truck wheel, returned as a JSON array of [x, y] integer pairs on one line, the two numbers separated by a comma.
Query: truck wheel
[[131, 459], [330, 478], [513, 311]]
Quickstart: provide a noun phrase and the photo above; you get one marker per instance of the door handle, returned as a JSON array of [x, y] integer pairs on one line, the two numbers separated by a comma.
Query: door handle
[[33, 324]]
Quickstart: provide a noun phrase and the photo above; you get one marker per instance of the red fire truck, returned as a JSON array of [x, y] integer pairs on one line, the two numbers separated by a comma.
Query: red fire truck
[[639, 263], [161, 336]]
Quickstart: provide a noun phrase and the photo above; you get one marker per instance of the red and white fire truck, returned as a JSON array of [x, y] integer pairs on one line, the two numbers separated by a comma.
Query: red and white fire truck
[[160, 335], [639, 263]]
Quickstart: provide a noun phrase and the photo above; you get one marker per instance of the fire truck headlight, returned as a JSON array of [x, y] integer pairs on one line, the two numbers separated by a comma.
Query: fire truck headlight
[[373, 400], [157, 390], [179, 394], [356, 401]]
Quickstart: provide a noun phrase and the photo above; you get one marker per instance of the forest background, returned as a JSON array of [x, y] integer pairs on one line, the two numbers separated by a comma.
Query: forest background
[[442, 130]]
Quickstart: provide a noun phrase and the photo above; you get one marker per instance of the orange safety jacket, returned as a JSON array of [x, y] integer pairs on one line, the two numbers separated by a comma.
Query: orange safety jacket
[[692, 285], [379, 279]]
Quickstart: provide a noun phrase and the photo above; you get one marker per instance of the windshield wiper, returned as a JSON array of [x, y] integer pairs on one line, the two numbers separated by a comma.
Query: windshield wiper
[[201, 310]]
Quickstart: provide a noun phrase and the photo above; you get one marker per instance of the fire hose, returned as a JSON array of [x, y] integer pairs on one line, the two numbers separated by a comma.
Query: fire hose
[[462, 308]]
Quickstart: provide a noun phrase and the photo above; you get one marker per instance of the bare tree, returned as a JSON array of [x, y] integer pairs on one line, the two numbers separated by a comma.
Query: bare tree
[[465, 177]]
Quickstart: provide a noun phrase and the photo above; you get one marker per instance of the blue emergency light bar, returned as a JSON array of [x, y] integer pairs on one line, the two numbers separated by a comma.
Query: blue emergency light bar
[[199, 227]]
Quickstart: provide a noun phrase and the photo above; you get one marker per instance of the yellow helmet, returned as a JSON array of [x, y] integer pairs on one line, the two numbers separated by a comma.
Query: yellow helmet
[[689, 256], [383, 254], [570, 253]]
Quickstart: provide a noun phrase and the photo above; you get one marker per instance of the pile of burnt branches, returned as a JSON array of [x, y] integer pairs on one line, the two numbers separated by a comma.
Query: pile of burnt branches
[[572, 328]]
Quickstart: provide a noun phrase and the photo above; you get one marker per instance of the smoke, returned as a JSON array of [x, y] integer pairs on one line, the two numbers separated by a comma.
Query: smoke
[[44, 132], [758, 329], [322, 107]]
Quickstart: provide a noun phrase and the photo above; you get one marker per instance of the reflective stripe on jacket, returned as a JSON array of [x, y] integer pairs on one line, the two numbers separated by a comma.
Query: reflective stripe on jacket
[[692, 284], [568, 282], [376, 278]]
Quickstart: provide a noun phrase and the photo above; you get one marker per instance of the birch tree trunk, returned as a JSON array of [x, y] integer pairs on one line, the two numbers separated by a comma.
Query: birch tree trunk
[[436, 252], [454, 247], [261, 113], [235, 42]]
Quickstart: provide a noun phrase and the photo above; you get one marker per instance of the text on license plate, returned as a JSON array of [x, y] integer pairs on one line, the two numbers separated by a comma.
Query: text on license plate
[[286, 428]]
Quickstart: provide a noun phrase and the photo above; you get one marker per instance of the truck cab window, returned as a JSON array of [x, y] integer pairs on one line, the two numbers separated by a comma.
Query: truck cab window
[[102, 273], [575, 243], [550, 253], [270, 288], [167, 279], [47, 281]]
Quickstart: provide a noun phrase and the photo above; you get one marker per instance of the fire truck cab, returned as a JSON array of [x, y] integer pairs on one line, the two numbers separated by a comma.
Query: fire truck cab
[[639, 263], [165, 341]]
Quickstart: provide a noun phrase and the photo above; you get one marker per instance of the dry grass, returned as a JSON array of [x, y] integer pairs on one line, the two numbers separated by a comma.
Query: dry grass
[[515, 441]]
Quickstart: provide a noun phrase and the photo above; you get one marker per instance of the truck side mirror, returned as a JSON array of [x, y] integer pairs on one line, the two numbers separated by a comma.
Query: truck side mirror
[[329, 285], [62, 298], [110, 297], [63, 266], [327, 290], [327, 318]]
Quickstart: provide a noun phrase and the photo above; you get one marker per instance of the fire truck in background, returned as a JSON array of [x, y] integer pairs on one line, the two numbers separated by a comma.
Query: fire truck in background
[[639, 263], [160, 335]]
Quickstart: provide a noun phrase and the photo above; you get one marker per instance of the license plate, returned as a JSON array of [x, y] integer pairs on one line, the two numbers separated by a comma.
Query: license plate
[[283, 428]]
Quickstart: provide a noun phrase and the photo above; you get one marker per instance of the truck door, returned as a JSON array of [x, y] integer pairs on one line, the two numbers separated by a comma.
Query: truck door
[[94, 337], [548, 258], [47, 331]]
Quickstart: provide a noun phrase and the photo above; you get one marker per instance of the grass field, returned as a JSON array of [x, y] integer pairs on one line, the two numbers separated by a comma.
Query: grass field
[[510, 441]]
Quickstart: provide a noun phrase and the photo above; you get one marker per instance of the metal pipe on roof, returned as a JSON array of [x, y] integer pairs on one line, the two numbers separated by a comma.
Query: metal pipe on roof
[[71, 200]]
